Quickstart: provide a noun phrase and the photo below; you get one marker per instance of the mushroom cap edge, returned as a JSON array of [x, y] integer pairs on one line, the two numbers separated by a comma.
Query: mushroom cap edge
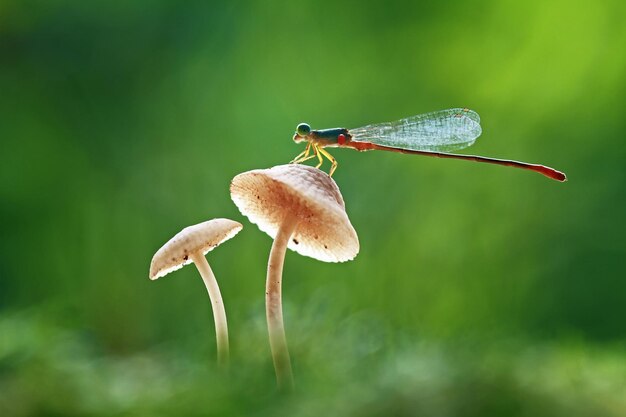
[[324, 232], [202, 237]]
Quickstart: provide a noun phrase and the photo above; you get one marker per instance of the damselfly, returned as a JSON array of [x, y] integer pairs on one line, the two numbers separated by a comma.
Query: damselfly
[[431, 134]]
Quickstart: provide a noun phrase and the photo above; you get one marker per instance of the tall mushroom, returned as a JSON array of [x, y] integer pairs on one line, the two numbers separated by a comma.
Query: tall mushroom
[[301, 208], [190, 245]]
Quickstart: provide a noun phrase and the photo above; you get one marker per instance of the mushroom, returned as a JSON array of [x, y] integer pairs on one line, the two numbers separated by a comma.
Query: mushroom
[[190, 245], [301, 208]]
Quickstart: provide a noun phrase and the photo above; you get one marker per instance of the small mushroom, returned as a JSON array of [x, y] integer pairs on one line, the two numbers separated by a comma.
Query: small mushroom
[[301, 208], [190, 245]]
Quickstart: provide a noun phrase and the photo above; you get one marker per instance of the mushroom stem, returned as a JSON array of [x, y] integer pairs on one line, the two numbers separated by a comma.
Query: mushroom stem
[[219, 314], [273, 304]]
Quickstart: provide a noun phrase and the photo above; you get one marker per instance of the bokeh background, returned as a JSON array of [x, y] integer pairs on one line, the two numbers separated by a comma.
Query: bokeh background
[[479, 290]]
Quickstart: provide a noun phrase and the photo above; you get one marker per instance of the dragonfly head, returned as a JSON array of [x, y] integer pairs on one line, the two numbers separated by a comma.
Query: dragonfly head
[[302, 131]]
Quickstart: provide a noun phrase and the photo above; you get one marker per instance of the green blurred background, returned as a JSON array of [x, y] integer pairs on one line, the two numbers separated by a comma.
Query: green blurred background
[[478, 291]]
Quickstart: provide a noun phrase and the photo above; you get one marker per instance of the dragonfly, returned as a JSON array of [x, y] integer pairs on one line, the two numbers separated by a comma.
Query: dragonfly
[[435, 134]]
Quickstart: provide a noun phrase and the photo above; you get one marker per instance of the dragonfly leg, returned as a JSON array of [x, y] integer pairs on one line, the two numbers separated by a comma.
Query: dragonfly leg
[[302, 156], [307, 151], [307, 158], [317, 150], [296, 160], [332, 160]]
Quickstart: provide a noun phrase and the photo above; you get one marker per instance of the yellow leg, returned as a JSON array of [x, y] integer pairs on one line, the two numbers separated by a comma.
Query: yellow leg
[[296, 159], [317, 150], [306, 159], [302, 156], [332, 160]]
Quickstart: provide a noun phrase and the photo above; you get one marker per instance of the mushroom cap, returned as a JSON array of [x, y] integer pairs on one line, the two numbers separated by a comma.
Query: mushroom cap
[[202, 237], [323, 232]]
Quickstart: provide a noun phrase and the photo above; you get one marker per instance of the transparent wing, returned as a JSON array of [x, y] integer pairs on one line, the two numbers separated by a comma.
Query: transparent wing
[[440, 131]]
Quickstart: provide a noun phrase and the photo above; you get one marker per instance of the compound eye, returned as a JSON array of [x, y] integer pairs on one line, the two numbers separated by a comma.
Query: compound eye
[[303, 129]]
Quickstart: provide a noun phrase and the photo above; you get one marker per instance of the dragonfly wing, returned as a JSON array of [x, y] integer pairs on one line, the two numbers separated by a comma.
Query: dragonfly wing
[[440, 131]]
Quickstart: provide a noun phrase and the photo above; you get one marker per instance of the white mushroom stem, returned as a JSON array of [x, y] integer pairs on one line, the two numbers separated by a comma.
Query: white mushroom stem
[[274, 306], [219, 314]]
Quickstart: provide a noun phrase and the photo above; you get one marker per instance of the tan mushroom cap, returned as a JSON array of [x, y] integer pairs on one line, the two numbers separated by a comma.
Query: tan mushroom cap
[[267, 196], [201, 237]]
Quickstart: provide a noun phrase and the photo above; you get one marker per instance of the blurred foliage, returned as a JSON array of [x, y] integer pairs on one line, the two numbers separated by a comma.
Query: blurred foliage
[[479, 290]]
